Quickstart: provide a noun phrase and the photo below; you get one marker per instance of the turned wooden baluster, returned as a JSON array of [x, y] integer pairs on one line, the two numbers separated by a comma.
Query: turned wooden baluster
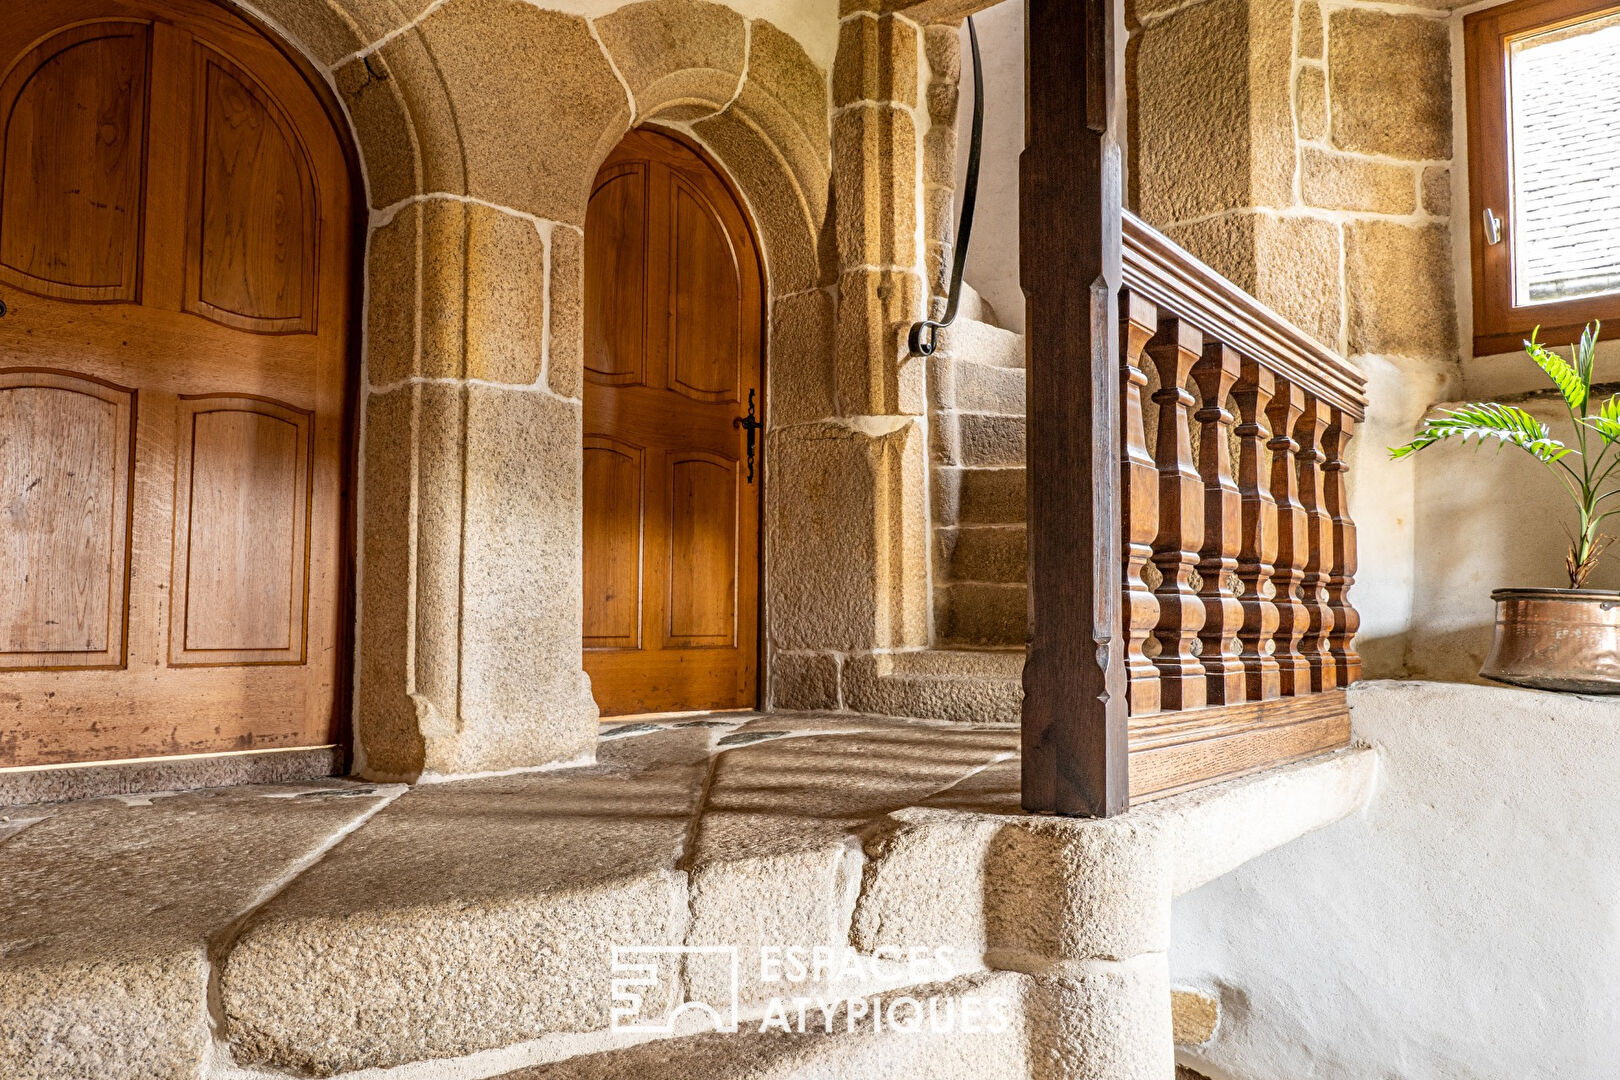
[[1258, 553], [1293, 539], [1312, 430], [1174, 350], [1215, 373], [1139, 481], [1346, 621]]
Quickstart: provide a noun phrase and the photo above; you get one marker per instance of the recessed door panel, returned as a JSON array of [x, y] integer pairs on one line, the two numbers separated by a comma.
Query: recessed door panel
[[702, 550], [671, 503], [614, 481], [252, 233], [616, 276], [74, 110], [706, 297], [64, 519], [241, 525]]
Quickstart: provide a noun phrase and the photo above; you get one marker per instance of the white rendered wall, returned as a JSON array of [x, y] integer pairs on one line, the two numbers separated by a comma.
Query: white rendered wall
[[1466, 926], [992, 266]]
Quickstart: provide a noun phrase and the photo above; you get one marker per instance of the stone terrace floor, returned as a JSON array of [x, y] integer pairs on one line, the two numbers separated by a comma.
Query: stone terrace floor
[[335, 925]]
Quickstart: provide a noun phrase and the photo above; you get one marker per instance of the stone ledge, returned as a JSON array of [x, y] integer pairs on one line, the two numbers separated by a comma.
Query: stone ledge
[[334, 927]]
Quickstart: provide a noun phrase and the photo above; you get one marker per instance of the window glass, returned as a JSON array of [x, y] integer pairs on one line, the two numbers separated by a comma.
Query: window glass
[[1565, 106]]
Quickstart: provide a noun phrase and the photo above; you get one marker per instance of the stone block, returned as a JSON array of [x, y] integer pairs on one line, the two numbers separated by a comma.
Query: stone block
[[1194, 1016], [1437, 191], [807, 681], [801, 364], [320, 29], [518, 78], [375, 19], [978, 496], [110, 909], [875, 375], [877, 61], [506, 297], [392, 296], [1310, 30], [1108, 1021], [937, 684], [1376, 111], [875, 186], [942, 49], [1398, 285], [676, 54], [565, 343], [1212, 116], [1340, 182], [382, 127], [982, 615], [1310, 101], [847, 536], [994, 553]]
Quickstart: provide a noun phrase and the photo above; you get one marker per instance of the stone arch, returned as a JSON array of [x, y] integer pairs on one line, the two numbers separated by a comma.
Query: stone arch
[[481, 124]]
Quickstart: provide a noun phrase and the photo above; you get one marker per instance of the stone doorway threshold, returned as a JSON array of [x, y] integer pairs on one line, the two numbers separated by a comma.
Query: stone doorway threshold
[[464, 929]]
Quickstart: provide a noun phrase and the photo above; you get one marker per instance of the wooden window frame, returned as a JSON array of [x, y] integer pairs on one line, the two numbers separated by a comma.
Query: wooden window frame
[[1499, 325]]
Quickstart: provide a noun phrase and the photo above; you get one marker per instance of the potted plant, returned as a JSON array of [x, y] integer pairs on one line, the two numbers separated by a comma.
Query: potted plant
[[1555, 639]]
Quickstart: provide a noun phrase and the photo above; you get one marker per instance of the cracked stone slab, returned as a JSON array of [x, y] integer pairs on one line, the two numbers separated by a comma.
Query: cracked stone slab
[[470, 915], [108, 910]]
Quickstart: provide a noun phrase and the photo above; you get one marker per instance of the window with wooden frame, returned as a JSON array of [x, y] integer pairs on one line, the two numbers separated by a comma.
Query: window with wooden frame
[[1544, 169]]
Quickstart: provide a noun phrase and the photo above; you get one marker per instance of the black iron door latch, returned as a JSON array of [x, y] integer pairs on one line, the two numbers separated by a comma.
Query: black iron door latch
[[751, 425]]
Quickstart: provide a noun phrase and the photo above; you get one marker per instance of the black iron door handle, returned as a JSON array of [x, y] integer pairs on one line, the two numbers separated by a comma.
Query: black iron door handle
[[751, 425]]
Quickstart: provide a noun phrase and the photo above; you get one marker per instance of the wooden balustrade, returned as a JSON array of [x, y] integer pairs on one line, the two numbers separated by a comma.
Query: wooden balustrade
[[1190, 546]]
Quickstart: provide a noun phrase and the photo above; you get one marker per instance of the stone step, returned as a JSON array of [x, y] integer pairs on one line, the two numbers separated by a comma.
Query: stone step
[[956, 384], [993, 1046], [969, 339], [964, 686], [978, 439], [974, 306], [981, 615], [964, 496], [994, 553]]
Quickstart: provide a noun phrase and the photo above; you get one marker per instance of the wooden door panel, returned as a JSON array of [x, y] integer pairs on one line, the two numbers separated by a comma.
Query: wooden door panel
[[703, 509], [251, 248], [705, 349], [73, 158], [616, 277], [65, 453], [242, 493], [614, 484], [674, 325]]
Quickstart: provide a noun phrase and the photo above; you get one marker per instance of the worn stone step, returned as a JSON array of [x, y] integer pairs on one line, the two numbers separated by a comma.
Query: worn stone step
[[969, 339], [996, 1047], [981, 614], [978, 439], [969, 386], [994, 553], [974, 306], [965, 686], [965, 496]]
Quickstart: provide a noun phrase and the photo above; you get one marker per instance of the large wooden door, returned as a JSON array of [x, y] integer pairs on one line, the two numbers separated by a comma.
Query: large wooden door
[[673, 329], [175, 234]]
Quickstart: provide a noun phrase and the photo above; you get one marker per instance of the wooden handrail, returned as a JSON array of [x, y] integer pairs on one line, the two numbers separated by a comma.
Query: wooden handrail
[[1173, 279]]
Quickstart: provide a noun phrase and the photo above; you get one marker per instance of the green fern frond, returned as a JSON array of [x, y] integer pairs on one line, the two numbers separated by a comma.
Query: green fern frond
[[1508, 424], [1572, 380]]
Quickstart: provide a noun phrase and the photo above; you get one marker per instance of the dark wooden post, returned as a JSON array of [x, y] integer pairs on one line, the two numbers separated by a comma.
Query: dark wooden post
[[1074, 718]]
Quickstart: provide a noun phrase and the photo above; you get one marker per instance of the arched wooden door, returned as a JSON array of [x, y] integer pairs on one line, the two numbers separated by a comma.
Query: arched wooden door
[[674, 324], [175, 242]]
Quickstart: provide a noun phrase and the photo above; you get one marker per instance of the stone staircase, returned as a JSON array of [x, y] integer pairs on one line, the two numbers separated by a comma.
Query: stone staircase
[[976, 405]]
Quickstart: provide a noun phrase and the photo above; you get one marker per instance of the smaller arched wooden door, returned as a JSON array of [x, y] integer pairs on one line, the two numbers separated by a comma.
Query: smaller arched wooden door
[[175, 240], [674, 323]]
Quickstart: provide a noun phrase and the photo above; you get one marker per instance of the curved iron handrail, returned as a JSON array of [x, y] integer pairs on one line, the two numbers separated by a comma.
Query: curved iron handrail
[[924, 338]]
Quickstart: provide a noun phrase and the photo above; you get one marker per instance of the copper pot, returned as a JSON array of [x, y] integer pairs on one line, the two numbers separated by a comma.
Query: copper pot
[[1557, 639]]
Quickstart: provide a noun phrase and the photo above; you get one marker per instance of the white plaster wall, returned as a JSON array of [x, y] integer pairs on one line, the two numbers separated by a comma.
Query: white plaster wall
[[992, 266], [1466, 926]]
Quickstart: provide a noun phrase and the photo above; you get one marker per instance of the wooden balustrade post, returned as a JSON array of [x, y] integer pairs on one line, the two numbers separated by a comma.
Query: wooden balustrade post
[[1139, 495], [1258, 553], [1293, 539], [1075, 749], [1215, 373], [1312, 430], [1346, 621], [1174, 350]]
